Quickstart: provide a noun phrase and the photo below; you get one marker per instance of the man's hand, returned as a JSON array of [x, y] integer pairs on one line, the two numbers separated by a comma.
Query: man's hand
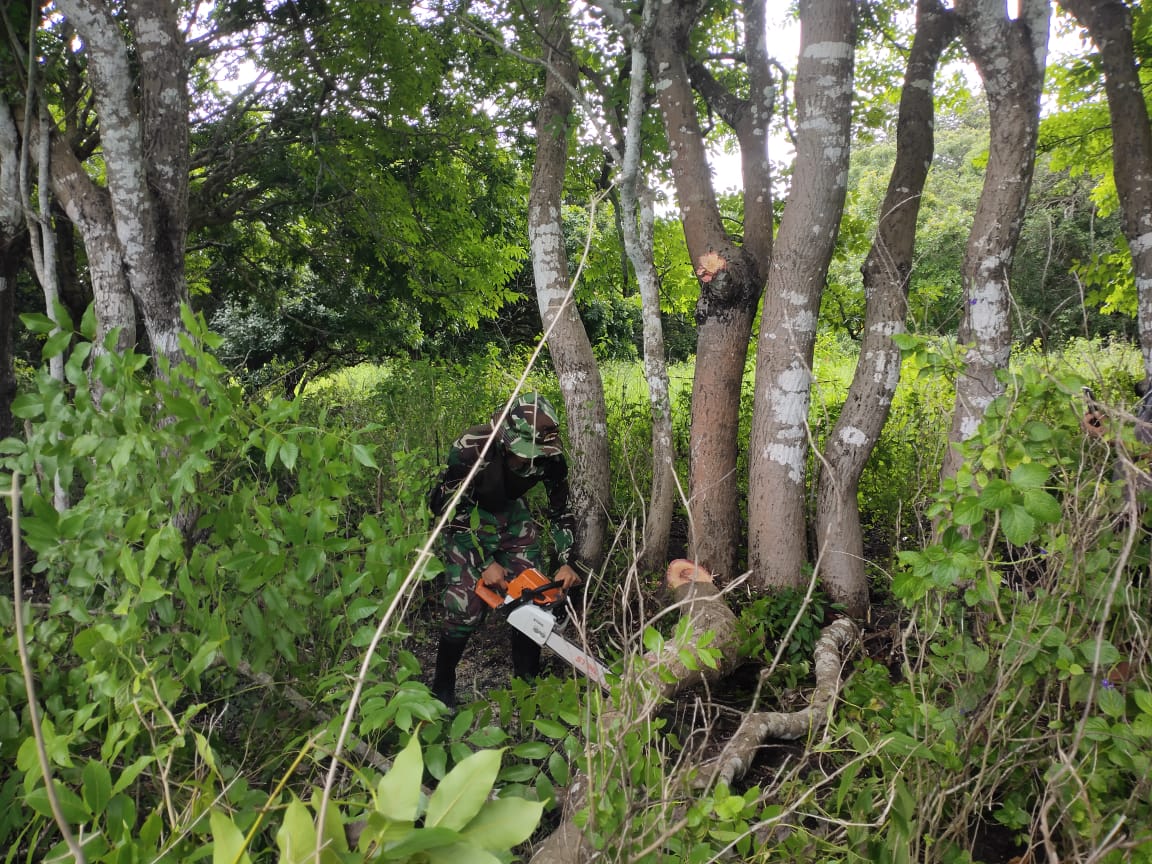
[[567, 576], [495, 576]]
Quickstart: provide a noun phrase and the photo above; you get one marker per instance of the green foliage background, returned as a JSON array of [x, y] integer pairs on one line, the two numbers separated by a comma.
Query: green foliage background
[[250, 534]]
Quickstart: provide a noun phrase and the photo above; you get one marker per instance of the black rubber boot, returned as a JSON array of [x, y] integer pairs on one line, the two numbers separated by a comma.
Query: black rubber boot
[[447, 657], [525, 656]]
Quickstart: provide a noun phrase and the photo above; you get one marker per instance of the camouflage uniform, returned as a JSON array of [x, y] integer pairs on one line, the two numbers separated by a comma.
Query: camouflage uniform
[[491, 522]]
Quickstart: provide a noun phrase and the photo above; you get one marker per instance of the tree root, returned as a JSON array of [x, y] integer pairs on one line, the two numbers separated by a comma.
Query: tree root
[[758, 726]]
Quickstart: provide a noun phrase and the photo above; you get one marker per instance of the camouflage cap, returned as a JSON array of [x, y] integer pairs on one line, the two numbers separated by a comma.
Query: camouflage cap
[[532, 427]]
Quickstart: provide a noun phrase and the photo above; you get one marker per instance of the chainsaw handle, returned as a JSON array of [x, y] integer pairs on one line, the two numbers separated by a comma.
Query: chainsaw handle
[[492, 598], [543, 589]]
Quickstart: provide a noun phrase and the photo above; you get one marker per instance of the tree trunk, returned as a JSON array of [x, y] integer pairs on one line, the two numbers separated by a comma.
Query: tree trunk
[[730, 275], [143, 116], [42, 231], [1010, 56], [662, 498], [840, 542], [637, 227], [1109, 23], [568, 343], [780, 437], [90, 209], [12, 252]]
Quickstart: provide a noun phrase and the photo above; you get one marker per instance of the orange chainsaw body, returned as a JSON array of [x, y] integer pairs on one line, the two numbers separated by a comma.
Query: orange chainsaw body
[[529, 579]]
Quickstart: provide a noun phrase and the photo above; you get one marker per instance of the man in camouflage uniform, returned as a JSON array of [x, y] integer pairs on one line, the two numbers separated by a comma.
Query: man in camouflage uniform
[[491, 535]]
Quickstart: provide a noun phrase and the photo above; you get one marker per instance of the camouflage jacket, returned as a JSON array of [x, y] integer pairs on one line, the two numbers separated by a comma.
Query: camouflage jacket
[[495, 487]]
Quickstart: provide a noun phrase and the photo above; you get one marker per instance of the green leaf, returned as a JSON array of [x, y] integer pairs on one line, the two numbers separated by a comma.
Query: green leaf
[[151, 590], [151, 553], [296, 838], [558, 768], [398, 793], [437, 761], [1030, 475], [270, 453], [75, 811], [88, 322], [968, 511], [364, 456], [38, 322], [227, 840], [334, 837], [463, 792], [1037, 431], [28, 406], [56, 344], [461, 853], [546, 791], [503, 823], [1111, 702], [129, 774], [420, 840], [127, 564], [74, 368], [531, 750], [549, 728], [652, 639], [997, 494], [1019, 526], [288, 453], [97, 786], [1042, 505], [518, 772], [461, 723], [1109, 656], [488, 736], [1143, 700]]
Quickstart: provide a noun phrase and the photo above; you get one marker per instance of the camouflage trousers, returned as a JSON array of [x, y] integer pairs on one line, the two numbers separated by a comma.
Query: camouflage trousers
[[510, 539]]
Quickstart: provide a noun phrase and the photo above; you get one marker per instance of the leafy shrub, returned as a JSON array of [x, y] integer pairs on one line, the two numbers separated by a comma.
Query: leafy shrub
[[211, 540], [1024, 703]]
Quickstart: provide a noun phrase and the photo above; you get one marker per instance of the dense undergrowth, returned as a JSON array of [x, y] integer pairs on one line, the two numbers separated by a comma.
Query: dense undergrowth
[[198, 616]]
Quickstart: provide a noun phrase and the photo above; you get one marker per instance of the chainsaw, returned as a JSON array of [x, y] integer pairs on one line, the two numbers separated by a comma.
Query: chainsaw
[[528, 605]]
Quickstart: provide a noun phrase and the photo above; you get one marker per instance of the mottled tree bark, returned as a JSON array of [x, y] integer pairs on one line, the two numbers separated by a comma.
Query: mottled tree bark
[[1010, 55], [777, 544], [731, 275], [143, 115], [638, 228], [886, 271], [90, 209], [1109, 23], [576, 367]]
